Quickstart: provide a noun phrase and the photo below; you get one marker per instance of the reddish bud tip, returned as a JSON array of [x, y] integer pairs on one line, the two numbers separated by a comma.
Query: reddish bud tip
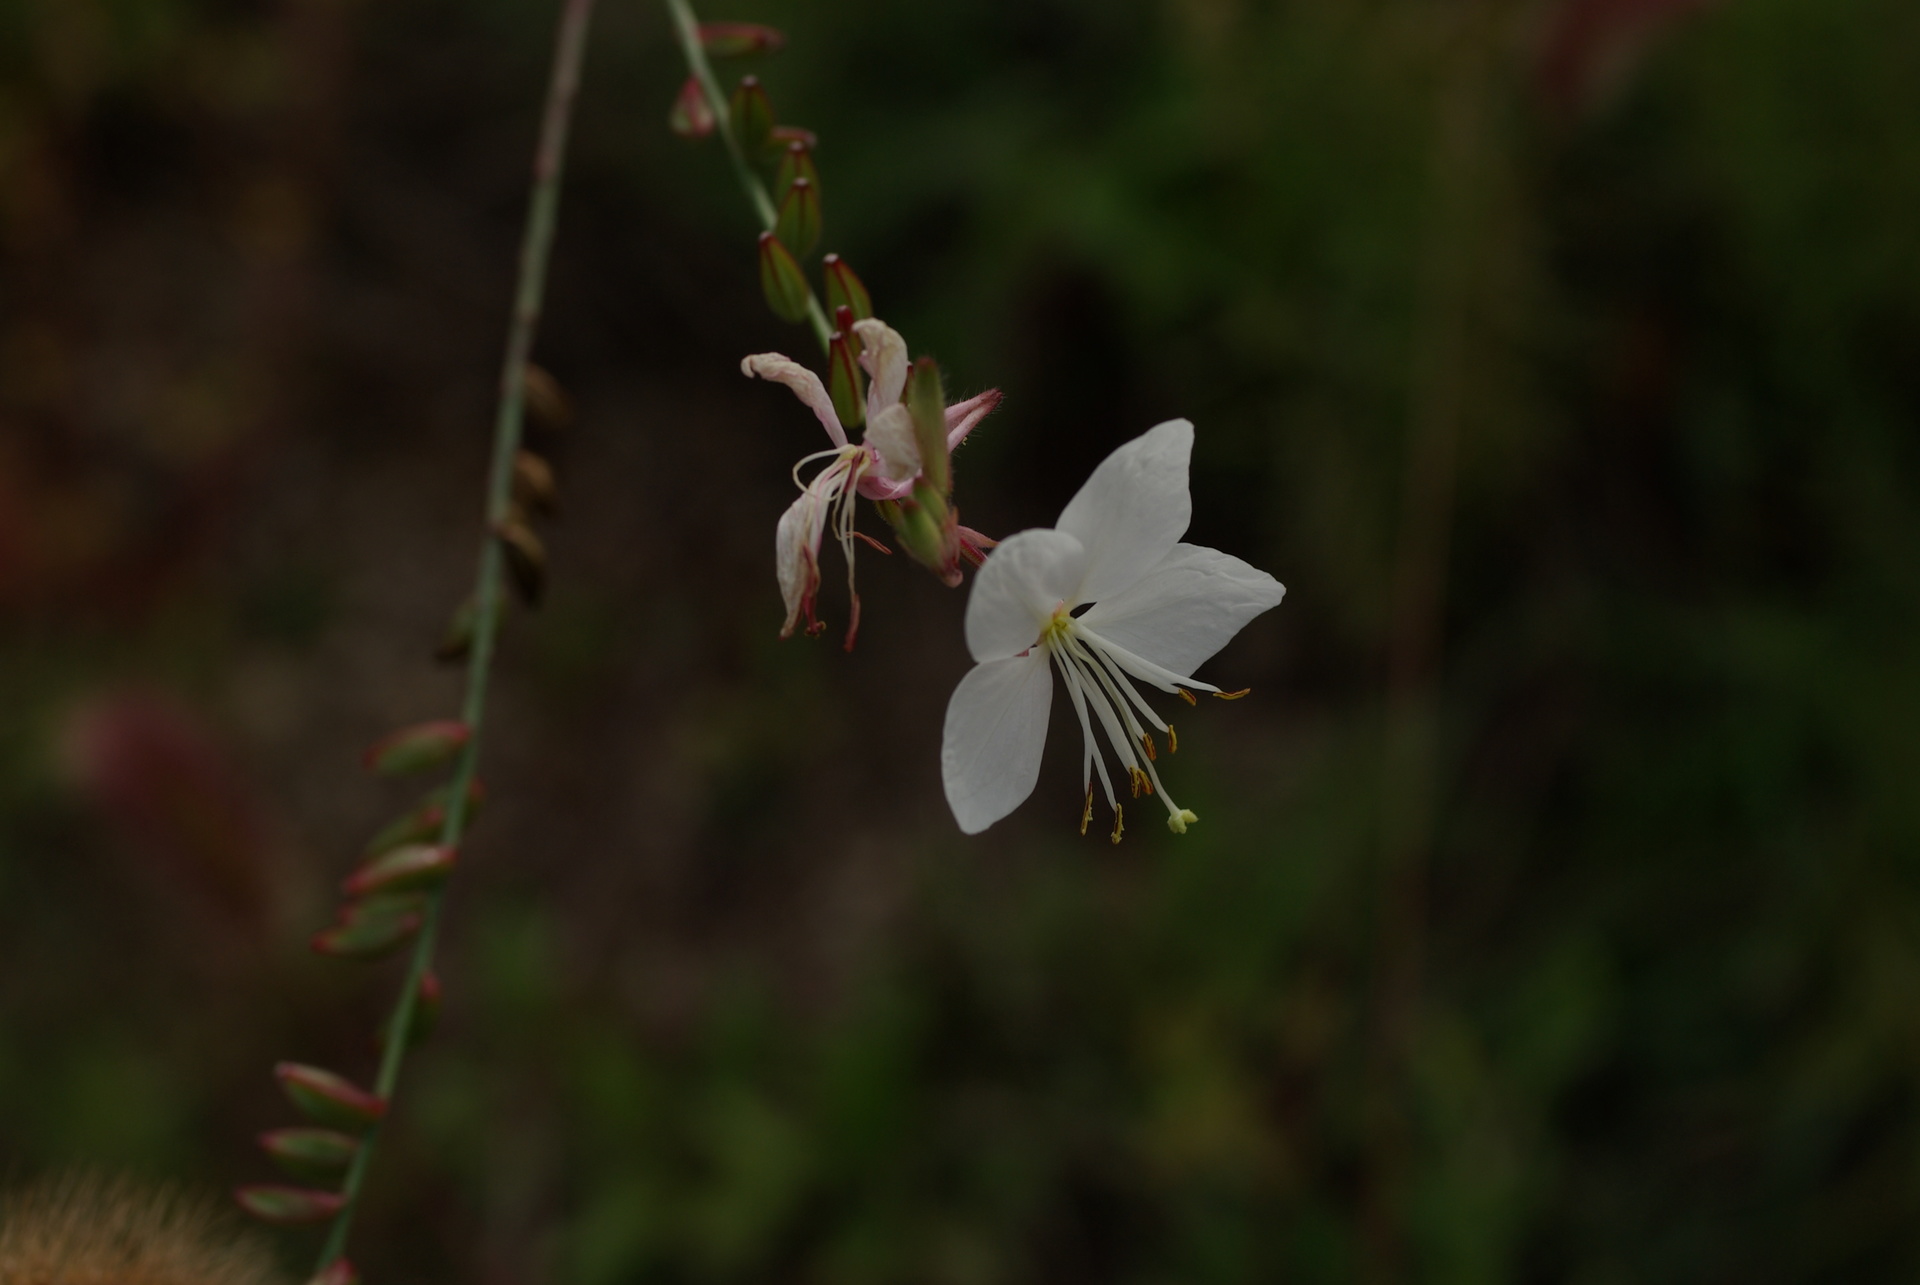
[[412, 867], [329, 1099], [691, 115], [417, 748], [734, 39], [288, 1206]]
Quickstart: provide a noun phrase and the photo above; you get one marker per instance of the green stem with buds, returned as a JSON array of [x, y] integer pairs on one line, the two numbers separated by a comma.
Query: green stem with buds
[[489, 590], [687, 27]]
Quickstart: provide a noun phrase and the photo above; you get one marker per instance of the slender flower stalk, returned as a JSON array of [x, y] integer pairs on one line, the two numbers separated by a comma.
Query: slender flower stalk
[[489, 590], [687, 28]]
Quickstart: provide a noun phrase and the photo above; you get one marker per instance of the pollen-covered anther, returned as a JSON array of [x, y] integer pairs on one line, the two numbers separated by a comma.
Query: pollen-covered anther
[[1142, 783], [1146, 743], [1173, 741], [1086, 813], [1186, 696], [1119, 823], [1179, 821], [1232, 696]]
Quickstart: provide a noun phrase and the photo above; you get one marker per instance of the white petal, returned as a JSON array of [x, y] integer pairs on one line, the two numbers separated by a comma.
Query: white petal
[[1016, 593], [1186, 609], [884, 355], [891, 433], [796, 544], [996, 728], [1133, 509], [805, 385]]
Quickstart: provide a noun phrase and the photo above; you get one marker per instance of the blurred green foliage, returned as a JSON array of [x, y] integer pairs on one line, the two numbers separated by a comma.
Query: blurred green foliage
[[1668, 1014]]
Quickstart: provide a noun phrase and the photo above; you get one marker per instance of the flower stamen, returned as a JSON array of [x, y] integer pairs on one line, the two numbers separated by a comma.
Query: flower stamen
[[1119, 823], [1232, 696]]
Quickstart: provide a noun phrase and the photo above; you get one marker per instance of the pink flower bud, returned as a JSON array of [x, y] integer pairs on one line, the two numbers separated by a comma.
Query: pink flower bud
[[796, 162], [288, 1206], [372, 929], [733, 39], [752, 115], [845, 290], [315, 1155], [691, 115], [417, 748], [412, 867], [845, 382], [783, 136], [328, 1098], [798, 226], [424, 823], [782, 281]]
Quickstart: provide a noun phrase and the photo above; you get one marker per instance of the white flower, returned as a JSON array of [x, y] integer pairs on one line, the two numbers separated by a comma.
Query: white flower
[[1160, 608]]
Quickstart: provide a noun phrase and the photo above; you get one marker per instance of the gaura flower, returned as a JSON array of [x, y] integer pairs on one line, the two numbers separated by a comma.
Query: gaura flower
[[887, 467], [1159, 608]]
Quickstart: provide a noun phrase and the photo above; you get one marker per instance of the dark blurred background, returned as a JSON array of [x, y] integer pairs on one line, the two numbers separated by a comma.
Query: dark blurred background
[[1555, 915]]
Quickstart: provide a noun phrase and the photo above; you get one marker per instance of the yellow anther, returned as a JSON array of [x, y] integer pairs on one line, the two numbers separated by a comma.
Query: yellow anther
[[1179, 821], [1146, 743], [1233, 696], [1086, 813], [1141, 782], [1173, 742], [1118, 823], [1186, 696]]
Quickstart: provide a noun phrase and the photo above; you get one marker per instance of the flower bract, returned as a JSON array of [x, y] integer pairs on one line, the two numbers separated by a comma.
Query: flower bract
[[1154, 609]]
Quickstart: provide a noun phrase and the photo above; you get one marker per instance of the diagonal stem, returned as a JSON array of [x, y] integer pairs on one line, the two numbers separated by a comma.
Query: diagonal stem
[[687, 28], [548, 162]]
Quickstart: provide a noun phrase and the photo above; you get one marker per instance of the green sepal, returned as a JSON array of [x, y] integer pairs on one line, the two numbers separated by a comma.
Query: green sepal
[[926, 402]]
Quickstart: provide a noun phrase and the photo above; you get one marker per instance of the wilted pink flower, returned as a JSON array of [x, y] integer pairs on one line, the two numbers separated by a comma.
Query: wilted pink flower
[[883, 467]]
